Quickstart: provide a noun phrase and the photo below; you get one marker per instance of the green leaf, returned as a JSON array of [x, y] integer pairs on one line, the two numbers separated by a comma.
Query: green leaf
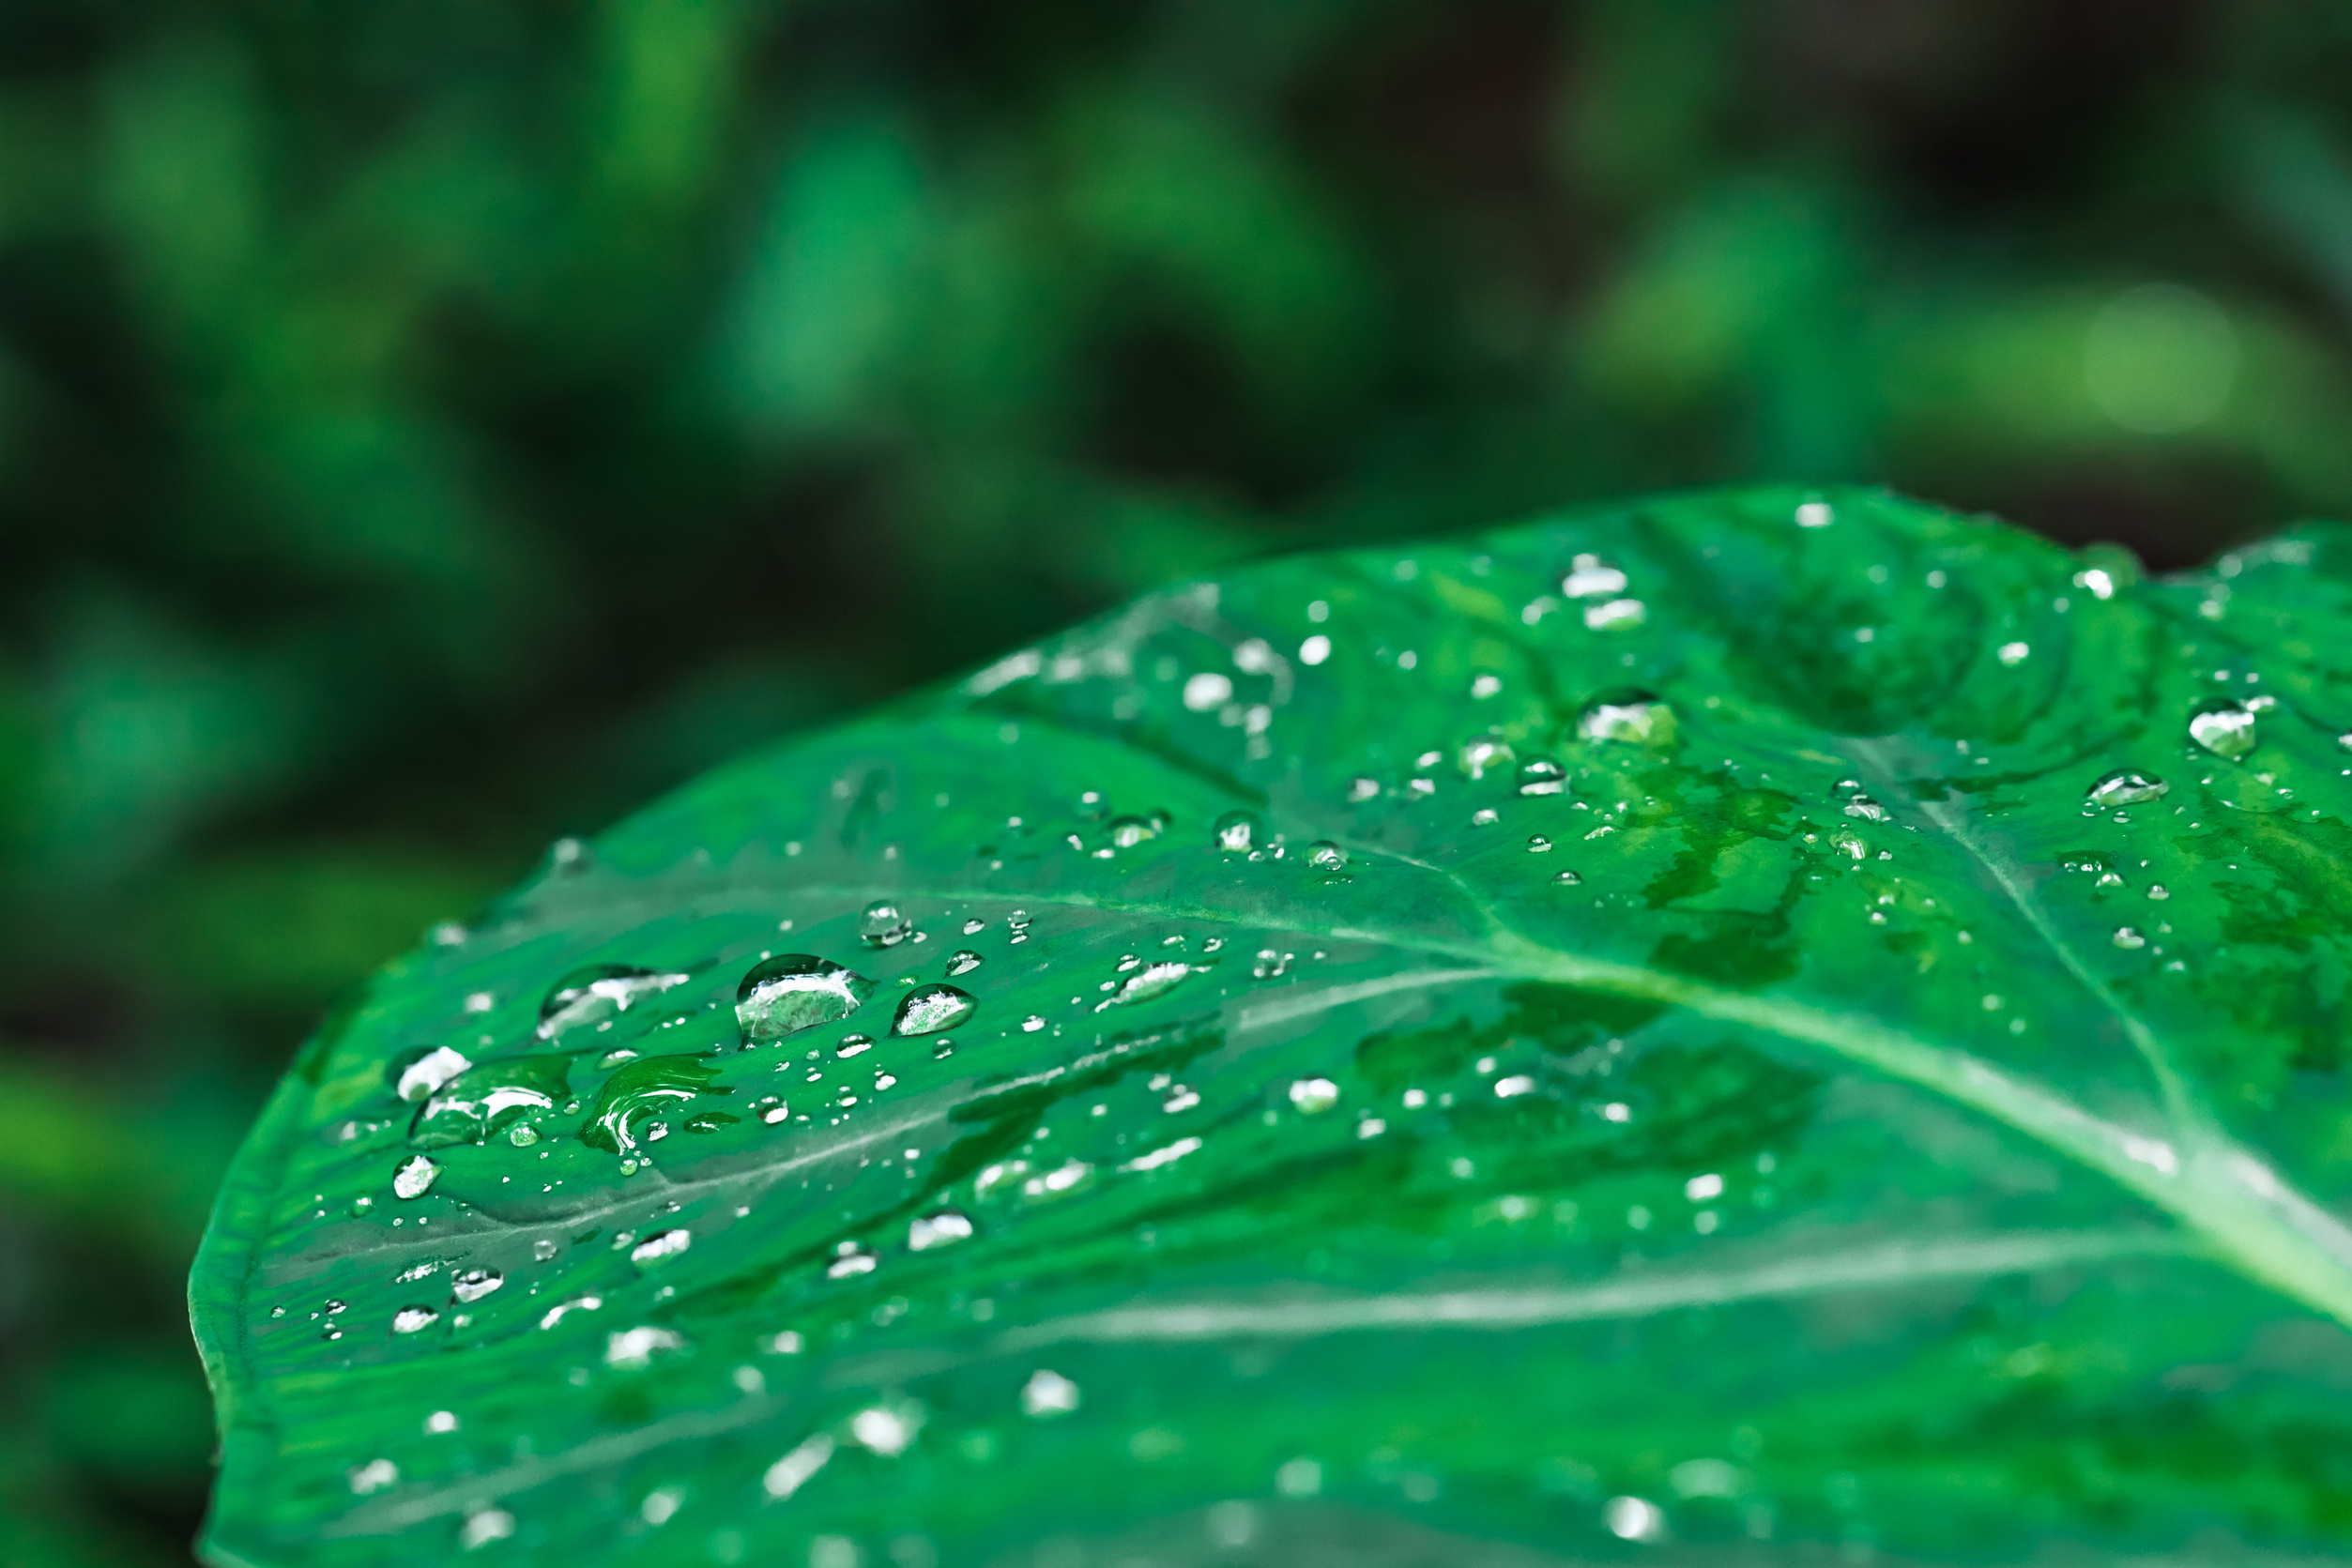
[[1750, 1023]]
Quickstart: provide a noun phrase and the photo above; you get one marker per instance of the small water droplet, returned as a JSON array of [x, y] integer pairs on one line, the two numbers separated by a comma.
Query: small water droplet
[[1485, 816], [1048, 1393], [941, 1227], [1813, 515], [1484, 686], [1238, 831], [1315, 650], [472, 1285], [2012, 654], [2125, 788], [599, 993], [1313, 1096], [1590, 577], [1617, 615], [850, 1260], [1361, 789], [484, 1526], [794, 990], [414, 1320], [545, 1250], [416, 1174], [1128, 831], [1481, 753], [883, 924], [1153, 979], [1568, 879], [669, 1243], [2226, 730], [1636, 1518], [1323, 855], [1208, 691], [854, 1045], [1031, 1024], [2129, 936], [1634, 716], [373, 1476], [1541, 775], [1538, 843], [932, 1010], [2160, 892]]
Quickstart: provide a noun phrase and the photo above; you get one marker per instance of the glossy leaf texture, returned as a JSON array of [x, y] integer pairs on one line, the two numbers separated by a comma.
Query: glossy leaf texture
[[1773, 1027]]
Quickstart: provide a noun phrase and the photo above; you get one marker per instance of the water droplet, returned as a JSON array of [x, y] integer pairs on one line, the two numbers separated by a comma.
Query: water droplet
[[2226, 730], [1153, 979], [484, 1526], [669, 1243], [1484, 686], [1269, 964], [1048, 1393], [599, 993], [1568, 879], [849, 1259], [1634, 716], [854, 1045], [640, 1089], [1323, 855], [2160, 892], [794, 990], [2125, 788], [419, 1075], [1810, 514], [414, 1320], [932, 1010], [1485, 816], [545, 1249], [1361, 789], [1031, 1024], [2128, 938], [887, 1432], [1238, 831], [661, 1504], [1590, 577], [1482, 753], [941, 1227], [1538, 844], [496, 1097], [634, 1350], [1315, 650], [373, 1476], [1128, 831], [1540, 775], [1618, 615], [1636, 1518], [414, 1175], [1866, 809], [1313, 1096], [2012, 654], [1207, 691], [883, 924], [472, 1285], [441, 1421]]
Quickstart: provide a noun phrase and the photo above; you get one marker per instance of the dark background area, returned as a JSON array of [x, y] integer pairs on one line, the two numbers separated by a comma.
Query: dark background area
[[427, 428]]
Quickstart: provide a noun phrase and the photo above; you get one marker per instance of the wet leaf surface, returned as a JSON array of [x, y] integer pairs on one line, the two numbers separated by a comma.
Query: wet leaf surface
[[1760, 1026]]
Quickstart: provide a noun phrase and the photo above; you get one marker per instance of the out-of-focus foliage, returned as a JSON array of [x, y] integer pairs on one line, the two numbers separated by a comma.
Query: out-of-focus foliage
[[428, 427]]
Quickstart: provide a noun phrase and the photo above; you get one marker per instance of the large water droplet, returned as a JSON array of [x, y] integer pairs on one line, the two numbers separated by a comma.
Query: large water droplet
[[1142, 985], [932, 1010], [496, 1097], [597, 993], [963, 961], [2225, 729], [1633, 717], [638, 1089], [796, 991], [939, 1228], [883, 924], [2125, 788], [414, 1175], [1238, 831], [420, 1074], [414, 1320]]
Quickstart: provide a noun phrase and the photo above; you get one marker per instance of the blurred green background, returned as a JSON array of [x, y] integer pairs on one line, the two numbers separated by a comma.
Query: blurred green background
[[430, 427]]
